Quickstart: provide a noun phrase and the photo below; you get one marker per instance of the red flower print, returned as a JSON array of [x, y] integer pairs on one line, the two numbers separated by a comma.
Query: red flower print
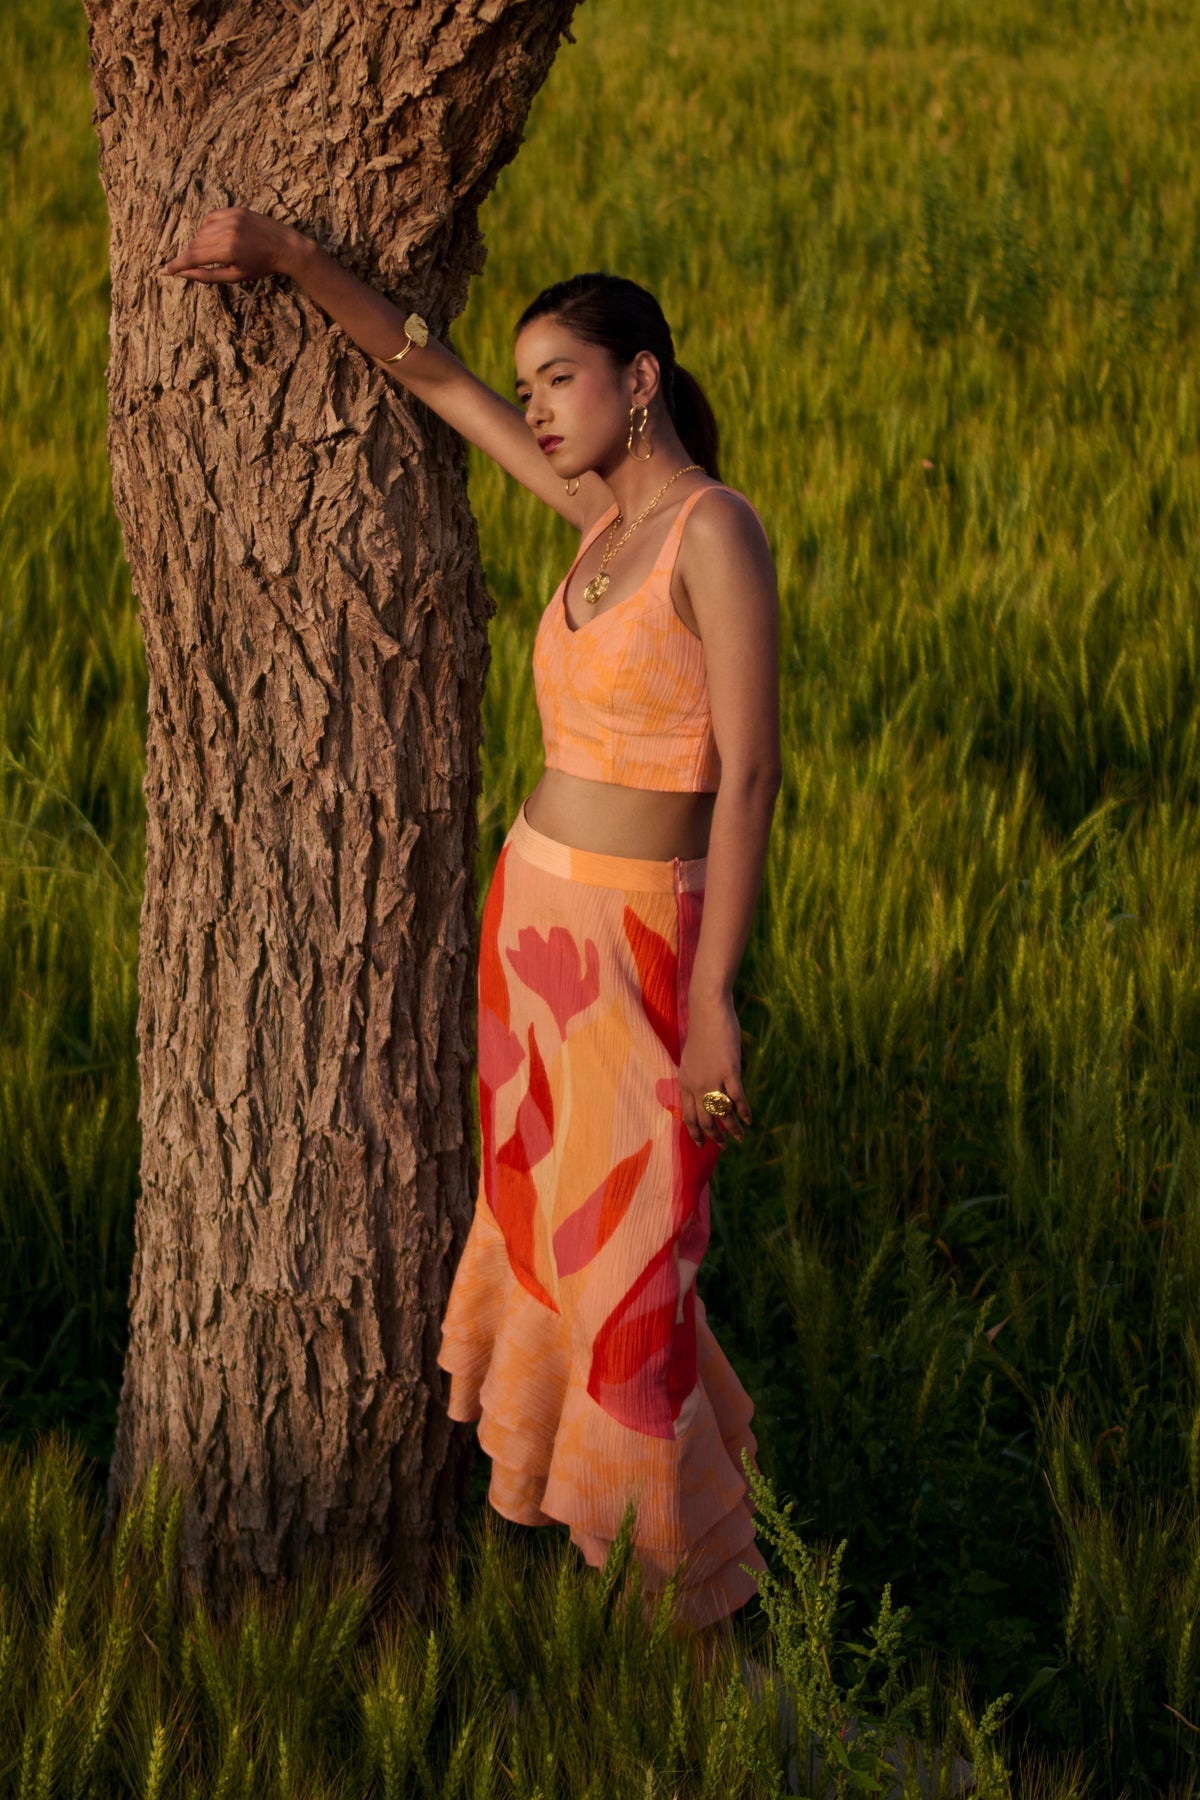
[[550, 967], [589, 1227]]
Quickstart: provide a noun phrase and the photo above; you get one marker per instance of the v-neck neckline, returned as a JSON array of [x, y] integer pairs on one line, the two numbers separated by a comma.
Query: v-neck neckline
[[606, 519], [614, 512]]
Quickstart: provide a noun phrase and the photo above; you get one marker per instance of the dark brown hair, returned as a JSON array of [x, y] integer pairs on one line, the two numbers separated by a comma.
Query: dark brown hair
[[625, 318]]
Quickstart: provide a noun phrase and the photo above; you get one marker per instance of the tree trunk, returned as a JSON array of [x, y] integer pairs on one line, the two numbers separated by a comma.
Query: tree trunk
[[315, 620]]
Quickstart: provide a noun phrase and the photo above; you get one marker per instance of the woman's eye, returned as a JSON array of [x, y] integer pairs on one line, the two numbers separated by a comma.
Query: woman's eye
[[526, 399]]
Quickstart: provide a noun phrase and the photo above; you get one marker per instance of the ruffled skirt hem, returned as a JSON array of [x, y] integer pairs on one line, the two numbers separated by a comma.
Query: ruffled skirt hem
[[559, 1457]]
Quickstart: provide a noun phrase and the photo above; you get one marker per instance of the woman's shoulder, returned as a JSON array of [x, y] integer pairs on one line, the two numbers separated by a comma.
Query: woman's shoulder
[[726, 518], [725, 561], [730, 497]]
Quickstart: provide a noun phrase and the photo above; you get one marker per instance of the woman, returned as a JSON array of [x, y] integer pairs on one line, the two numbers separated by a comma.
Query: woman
[[614, 925]]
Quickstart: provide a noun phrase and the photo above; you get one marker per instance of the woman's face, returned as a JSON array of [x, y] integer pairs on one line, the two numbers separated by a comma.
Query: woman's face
[[576, 399]]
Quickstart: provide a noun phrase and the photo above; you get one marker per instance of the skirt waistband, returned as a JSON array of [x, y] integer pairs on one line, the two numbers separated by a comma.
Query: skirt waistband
[[638, 874]]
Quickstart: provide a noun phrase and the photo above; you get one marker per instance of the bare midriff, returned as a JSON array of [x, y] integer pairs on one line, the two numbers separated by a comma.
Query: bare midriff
[[620, 821]]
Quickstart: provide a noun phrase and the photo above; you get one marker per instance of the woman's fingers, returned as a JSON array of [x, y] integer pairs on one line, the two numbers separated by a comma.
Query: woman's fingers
[[210, 259], [211, 244], [690, 1106], [224, 272], [704, 1126], [206, 262], [741, 1106], [712, 1127], [232, 244], [711, 1061], [731, 1125]]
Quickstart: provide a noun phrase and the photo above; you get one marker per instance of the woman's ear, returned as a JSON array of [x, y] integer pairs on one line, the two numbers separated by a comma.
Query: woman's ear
[[647, 378]]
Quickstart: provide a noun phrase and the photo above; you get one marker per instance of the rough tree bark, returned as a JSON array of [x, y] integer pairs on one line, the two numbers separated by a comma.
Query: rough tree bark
[[315, 621]]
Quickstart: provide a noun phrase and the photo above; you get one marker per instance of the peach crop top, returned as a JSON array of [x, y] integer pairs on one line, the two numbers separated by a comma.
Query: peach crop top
[[624, 698]]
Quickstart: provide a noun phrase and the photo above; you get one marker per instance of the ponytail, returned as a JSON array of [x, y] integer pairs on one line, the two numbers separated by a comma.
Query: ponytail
[[688, 406]]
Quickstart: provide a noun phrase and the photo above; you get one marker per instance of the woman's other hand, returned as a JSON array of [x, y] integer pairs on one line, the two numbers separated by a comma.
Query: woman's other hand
[[712, 1058], [235, 244]]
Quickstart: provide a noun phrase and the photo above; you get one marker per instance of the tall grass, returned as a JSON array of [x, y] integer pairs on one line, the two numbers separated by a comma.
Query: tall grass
[[937, 266], [72, 699], [528, 1676]]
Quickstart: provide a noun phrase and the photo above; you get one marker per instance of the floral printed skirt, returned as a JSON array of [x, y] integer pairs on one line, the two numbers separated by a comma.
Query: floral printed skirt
[[574, 1333]]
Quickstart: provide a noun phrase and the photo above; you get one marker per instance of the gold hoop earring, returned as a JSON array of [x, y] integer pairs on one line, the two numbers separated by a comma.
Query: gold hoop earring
[[639, 429], [572, 487]]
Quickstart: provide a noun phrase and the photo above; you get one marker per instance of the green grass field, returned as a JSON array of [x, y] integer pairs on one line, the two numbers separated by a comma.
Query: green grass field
[[939, 270]]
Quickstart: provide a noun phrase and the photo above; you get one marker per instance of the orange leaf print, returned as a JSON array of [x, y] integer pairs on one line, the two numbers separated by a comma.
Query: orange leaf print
[[514, 1211]]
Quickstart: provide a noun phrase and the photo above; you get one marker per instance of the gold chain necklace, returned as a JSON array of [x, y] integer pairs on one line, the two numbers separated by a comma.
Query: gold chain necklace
[[598, 586]]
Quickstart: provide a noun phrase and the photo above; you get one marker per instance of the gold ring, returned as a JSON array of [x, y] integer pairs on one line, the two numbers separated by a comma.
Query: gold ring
[[716, 1102]]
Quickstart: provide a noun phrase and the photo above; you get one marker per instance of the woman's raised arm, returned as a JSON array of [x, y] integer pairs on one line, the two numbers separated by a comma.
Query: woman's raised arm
[[236, 244]]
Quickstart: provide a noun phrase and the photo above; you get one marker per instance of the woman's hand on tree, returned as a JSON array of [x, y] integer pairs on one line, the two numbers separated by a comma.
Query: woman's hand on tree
[[712, 1058], [235, 244]]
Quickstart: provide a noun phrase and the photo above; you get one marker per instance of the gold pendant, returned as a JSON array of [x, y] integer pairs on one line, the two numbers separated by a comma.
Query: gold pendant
[[596, 588]]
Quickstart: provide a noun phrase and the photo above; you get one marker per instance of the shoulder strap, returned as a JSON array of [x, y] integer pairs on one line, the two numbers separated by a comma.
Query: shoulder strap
[[669, 553], [589, 537]]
